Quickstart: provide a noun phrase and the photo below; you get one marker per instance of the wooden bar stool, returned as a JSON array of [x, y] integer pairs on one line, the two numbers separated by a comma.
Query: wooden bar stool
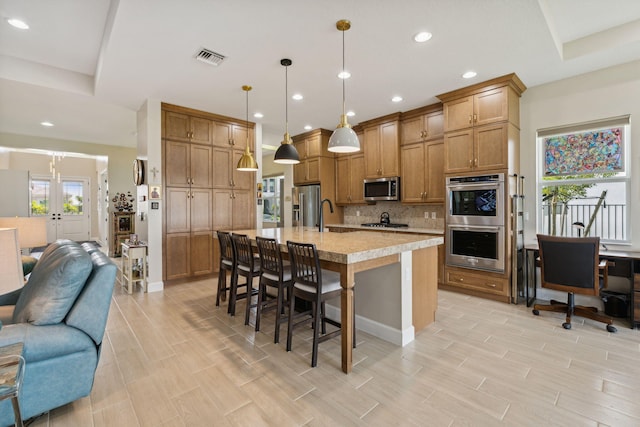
[[315, 285], [227, 264], [248, 266], [276, 274]]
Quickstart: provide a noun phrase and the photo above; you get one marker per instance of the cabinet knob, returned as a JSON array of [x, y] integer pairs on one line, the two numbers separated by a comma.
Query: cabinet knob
[[475, 118], [470, 162], [491, 285], [475, 162], [470, 119]]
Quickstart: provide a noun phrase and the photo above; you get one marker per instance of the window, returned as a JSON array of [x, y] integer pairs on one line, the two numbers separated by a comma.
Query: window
[[584, 180], [272, 188]]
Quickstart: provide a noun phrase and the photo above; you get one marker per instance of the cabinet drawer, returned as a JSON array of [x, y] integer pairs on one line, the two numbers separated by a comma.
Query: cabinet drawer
[[477, 282]]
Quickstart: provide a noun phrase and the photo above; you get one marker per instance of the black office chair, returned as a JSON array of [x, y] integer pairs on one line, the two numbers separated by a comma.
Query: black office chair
[[315, 285], [572, 264]]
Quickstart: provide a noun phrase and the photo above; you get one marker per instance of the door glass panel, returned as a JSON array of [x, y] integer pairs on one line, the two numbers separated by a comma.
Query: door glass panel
[[40, 197], [72, 198]]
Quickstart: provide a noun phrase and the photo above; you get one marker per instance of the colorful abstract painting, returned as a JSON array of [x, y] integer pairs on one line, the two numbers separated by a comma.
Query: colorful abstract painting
[[598, 151]]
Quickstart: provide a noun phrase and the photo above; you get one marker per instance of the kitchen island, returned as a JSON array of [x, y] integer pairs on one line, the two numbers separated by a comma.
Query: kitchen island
[[407, 265]]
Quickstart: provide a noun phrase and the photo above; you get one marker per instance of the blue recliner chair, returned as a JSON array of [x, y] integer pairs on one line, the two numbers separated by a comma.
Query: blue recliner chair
[[60, 315]]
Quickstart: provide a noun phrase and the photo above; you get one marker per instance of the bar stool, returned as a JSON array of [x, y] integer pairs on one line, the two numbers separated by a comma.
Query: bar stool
[[247, 266], [274, 273], [11, 373], [315, 285], [227, 263]]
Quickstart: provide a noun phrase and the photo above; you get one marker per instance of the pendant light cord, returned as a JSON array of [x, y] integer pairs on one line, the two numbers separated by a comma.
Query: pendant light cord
[[286, 98], [343, 84], [247, 116]]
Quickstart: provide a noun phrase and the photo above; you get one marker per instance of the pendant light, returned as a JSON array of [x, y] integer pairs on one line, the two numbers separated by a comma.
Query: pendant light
[[246, 162], [286, 153], [343, 139]]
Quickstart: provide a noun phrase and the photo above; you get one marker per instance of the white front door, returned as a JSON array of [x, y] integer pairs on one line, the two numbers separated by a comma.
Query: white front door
[[65, 203]]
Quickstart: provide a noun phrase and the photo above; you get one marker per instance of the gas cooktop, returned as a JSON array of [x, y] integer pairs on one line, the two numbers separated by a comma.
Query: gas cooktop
[[384, 225]]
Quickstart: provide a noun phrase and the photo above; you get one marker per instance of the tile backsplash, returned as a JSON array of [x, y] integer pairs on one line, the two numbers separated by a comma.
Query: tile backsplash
[[399, 213]]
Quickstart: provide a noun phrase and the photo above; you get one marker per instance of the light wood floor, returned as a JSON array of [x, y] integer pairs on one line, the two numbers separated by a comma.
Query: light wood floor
[[172, 358]]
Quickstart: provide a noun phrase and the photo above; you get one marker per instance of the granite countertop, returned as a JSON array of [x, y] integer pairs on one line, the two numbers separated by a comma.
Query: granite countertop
[[414, 230], [348, 248]]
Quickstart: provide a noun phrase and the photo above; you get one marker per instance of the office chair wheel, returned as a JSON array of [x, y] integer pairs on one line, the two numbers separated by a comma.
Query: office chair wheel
[[535, 312], [612, 329], [566, 325]]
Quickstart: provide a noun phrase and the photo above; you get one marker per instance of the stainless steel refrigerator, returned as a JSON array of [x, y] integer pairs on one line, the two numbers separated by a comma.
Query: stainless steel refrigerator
[[306, 203]]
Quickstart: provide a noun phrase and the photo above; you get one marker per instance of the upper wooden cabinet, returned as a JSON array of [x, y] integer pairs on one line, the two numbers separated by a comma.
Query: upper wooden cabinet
[[482, 126], [232, 135], [350, 179], [188, 165], [183, 127], [423, 172], [314, 157], [382, 146], [422, 124]]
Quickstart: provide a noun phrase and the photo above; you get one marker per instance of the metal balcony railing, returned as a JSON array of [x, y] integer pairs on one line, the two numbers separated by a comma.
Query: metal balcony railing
[[609, 223]]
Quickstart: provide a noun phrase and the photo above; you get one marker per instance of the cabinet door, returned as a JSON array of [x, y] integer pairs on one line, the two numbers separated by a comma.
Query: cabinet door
[[458, 151], [357, 179], [178, 210], [458, 114], [301, 147], [434, 125], [201, 208], [491, 147], [412, 130], [313, 169], [343, 180], [372, 152], [389, 149], [434, 171], [241, 179], [221, 134], [177, 260], [239, 135], [491, 106], [201, 248], [314, 146], [176, 126], [222, 175], [201, 130], [243, 208], [299, 172], [413, 171], [201, 170], [222, 209], [177, 163]]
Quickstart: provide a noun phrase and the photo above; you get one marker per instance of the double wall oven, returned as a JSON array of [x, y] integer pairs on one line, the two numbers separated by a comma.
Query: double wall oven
[[476, 222]]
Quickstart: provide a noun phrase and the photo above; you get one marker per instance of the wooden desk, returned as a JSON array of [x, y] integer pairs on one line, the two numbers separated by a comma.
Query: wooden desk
[[621, 264], [350, 253]]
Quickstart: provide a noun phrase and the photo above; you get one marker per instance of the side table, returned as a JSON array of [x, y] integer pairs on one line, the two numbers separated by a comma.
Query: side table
[[133, 255], [11, 372]]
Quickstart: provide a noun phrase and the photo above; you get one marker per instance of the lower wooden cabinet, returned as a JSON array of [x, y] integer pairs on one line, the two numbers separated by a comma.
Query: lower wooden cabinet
[[476, 282], [188, 254]]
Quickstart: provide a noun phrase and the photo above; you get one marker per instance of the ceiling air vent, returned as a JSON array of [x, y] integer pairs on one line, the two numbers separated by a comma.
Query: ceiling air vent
[[210, 57]]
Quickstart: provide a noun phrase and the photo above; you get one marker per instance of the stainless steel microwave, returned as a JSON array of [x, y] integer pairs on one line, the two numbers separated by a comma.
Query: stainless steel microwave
[[382, 189]]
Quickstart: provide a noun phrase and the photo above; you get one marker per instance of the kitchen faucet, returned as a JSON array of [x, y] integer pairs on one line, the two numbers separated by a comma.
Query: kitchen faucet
[[321, 217]]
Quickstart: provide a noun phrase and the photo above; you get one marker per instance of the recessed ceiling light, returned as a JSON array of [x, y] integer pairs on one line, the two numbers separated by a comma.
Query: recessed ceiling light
[[297, 96], [258, 115], [469, 75], [344, 74], [422, 37], [396, 99], [350, 113], [18, 23], [47, 124], [308, 127]]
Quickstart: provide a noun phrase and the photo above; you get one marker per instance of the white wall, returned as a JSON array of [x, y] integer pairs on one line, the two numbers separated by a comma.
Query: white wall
[[606, 93], [601, 94]]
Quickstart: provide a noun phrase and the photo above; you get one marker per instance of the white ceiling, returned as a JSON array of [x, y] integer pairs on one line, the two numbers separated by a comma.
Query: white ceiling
[[88, 66]]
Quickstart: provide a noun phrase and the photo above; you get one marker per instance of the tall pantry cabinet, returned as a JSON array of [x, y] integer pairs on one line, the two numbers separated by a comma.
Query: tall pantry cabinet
[[203, 192]]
